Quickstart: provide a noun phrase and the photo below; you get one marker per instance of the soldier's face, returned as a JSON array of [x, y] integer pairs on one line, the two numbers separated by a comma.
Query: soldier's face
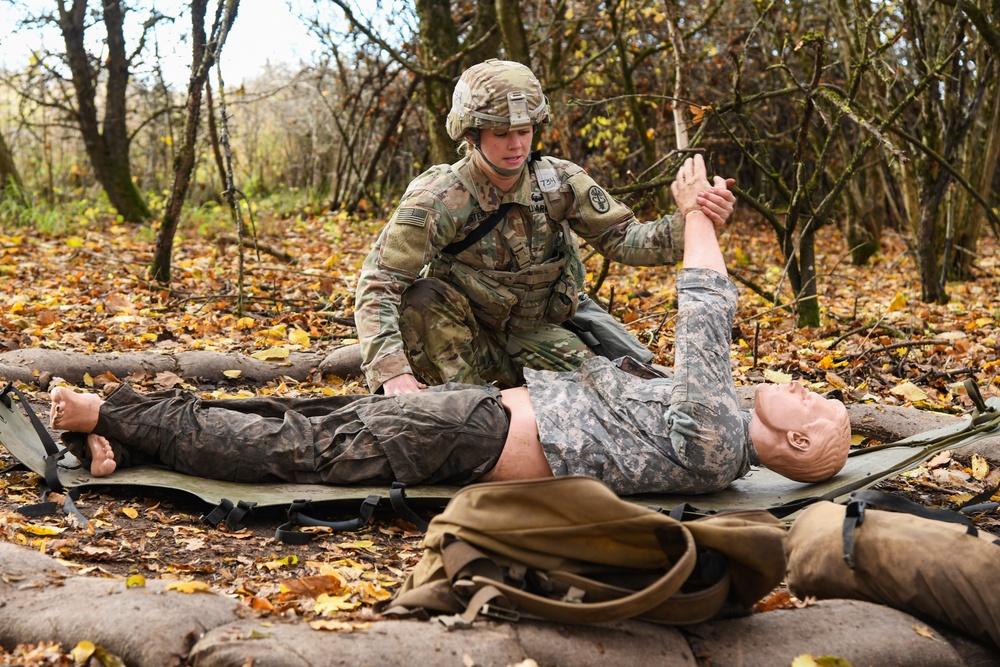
[[508, 149]]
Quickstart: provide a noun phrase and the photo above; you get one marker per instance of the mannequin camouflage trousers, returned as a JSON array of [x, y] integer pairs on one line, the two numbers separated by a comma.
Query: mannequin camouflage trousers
[[451, 435]]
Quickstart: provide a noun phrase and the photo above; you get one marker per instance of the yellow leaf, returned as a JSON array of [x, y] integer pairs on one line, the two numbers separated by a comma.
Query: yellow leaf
[[777, 377], [130, 512], [88, 380], [371, 593], [189, 587], [298, 337], [281, 562], [42, 530], [330, 604], [339, 626], [980, 468], [804, 660], [358, 544], [909, 391], [924, 631], [232, 374], [278, 331], [832, 661], [135, 581], [271, 354], [17, 307], [74, 242], [81, 652], [245, 323], [898, 302]]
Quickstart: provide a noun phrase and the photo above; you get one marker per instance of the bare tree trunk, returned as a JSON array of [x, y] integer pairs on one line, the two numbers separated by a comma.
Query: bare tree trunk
[[439, 41], [515, 43], [107, 143], [202, 58], [213, 133], [11, 184]]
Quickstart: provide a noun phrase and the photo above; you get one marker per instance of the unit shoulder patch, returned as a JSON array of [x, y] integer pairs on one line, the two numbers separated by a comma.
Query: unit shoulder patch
[[599, 199]]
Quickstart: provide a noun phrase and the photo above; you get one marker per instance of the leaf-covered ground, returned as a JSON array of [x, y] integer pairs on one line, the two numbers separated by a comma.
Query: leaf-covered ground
[[88, 292]]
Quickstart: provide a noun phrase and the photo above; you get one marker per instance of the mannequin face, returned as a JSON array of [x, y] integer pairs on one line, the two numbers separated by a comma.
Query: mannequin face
[[505, 149], [782, 412]]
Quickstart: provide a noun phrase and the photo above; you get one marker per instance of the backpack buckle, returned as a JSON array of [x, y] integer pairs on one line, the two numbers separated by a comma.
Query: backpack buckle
[[500, 613]]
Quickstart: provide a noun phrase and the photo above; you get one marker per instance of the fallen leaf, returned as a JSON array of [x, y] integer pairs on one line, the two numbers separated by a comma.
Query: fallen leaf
[[330, 604], [337, 626], [232, 374], [135, 581], [298, 337], [82, 651], [898, 302], [940, 459], [314, 586], [924, 631], [167, 380], [777, 377], [909, 392], [42, 530], [130, 512], [271, 354], [281, 562], [189, 587], [980, 467]]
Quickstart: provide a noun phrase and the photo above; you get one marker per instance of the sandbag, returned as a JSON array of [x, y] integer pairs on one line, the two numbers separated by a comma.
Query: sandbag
[[568, 549], [938, 568]]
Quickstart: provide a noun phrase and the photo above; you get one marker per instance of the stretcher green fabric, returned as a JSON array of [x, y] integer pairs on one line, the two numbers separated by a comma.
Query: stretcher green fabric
[[761, 489]]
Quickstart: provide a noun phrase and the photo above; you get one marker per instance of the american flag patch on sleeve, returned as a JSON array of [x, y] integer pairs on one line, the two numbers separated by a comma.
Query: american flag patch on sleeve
[[412, 216]]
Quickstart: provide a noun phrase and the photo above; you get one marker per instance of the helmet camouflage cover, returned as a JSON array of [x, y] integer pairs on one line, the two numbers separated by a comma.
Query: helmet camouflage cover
[[496, 95]]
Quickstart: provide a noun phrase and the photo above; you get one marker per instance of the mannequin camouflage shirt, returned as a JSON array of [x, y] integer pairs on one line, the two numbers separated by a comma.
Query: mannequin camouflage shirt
[[685, 435]]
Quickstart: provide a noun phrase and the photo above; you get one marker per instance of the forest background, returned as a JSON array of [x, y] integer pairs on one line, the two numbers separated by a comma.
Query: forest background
[[149, 212], [869, 124]]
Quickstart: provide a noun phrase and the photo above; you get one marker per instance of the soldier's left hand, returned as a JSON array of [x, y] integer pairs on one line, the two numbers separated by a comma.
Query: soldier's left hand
[[718, 202]]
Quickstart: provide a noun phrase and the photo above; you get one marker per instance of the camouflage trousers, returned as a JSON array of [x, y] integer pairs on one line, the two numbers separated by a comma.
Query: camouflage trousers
[[450, 435], [445, 342]]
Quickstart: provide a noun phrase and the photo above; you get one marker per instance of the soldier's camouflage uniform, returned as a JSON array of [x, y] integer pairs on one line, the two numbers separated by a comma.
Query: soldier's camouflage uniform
[[638, 436], [432, 330]]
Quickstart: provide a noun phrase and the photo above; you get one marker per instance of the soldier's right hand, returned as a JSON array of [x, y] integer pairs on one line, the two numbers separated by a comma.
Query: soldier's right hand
[[402, 384]]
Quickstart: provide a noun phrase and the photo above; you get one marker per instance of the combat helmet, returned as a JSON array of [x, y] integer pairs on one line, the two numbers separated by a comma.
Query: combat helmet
[[496, 95]]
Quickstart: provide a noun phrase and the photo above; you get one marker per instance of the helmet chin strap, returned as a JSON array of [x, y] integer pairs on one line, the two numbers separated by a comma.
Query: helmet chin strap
[[503, 171]]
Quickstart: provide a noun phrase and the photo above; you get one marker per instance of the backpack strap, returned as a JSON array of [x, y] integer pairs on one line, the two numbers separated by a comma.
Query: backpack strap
[[477, 234], [859, 501], [610, 605]]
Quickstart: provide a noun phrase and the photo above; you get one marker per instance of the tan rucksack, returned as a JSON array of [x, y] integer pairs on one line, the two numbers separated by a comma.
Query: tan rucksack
[[931, 563], [568, 549]]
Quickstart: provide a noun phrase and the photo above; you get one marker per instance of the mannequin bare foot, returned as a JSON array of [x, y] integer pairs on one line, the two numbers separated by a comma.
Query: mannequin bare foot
[[74, 412], [102, 458]]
